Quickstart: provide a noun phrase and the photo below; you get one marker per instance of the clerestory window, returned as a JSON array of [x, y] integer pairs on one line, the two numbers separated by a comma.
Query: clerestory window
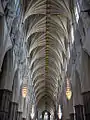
[[77, 10]]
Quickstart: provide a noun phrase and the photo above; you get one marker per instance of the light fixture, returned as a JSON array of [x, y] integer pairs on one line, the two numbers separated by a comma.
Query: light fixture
[[59, 112], [32, 113], [24, 91], [68, 90]]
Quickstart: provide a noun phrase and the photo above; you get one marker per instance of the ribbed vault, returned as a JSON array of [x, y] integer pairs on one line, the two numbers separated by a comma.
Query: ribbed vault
[[47, 35]]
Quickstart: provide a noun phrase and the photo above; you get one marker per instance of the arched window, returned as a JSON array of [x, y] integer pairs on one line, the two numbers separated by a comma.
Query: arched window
[[17, 7], [46, 116], [77, 11], [72, 34], [1, 30]]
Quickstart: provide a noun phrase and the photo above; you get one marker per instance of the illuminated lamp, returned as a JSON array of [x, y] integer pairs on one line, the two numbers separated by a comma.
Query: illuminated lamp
[[24, 91], [68, 91]]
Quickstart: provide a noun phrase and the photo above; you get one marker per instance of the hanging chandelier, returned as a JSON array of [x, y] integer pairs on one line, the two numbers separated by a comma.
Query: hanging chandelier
[[59, 112], [68, 90], [24, 91]]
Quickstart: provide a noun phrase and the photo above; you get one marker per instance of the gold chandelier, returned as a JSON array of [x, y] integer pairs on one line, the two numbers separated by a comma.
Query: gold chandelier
[[24, 91], [68, 90]]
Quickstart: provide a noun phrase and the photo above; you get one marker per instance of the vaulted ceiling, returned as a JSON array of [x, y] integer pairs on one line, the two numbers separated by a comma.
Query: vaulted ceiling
[[47, 38]]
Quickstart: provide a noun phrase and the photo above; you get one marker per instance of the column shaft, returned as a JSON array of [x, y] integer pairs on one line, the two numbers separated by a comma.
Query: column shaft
[[5, 96], [86, 101], [13, 111], [79, 112], [72, 116], [19, 116]]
